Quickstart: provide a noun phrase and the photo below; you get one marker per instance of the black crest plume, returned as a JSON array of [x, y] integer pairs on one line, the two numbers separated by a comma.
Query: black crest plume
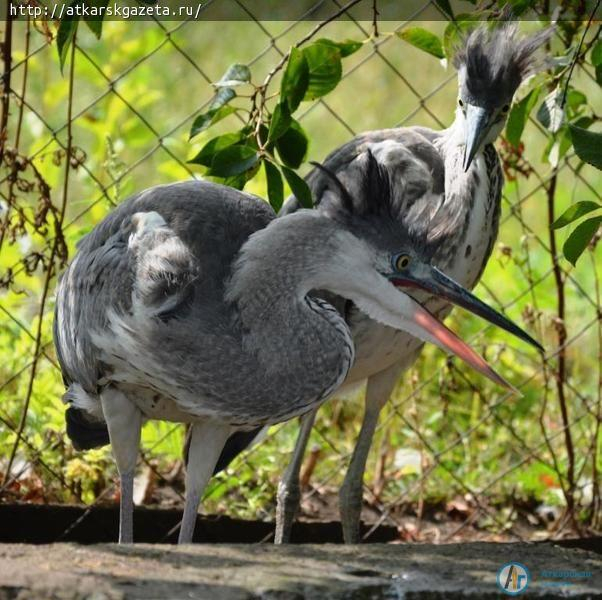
[[374, 195], [499, 58]]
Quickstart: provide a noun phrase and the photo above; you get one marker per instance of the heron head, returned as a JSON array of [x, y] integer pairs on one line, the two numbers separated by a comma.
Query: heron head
[[379, 264], [491, 65]]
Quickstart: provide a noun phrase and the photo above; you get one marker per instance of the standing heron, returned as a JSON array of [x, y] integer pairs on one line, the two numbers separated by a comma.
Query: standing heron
[[453, 202], [192, 303]]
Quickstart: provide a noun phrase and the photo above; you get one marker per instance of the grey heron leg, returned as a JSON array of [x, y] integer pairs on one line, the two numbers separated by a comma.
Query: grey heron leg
[[124, 422], [207, 439], [379, 389], [289, 493]]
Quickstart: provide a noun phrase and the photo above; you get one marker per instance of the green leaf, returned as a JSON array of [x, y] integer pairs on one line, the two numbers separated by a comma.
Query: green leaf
[[599, 74], [596, 56], [299, 188], [65, 35], [575, 99], [94, 23], [274, 185], [292, 146], [346, 47], [233, 160], [295, 79], [236, 74], [518, 117], [213, 146], [211, 117], [445, 6], [551, 113], [423, 40], [588, 145], [325, 69], [223, 96], [456, 30], [574, 212], [281, 120], [580, 237]]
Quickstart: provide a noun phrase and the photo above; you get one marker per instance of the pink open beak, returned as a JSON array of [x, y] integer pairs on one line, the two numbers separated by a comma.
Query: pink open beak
[[448, 340]]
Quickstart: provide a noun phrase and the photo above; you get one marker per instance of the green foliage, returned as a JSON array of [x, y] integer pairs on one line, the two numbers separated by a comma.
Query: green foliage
[[423, 40], [588, 145], [579, 239], [274, 138], [574, 212], [517, 119], [295, 79]]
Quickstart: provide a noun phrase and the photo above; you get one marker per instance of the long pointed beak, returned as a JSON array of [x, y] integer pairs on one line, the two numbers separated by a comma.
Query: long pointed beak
[[477, 125], [437, 333], [437, 283]]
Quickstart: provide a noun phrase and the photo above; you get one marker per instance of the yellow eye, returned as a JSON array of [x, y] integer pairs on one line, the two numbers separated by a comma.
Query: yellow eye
[[505, 108], [402, 262]]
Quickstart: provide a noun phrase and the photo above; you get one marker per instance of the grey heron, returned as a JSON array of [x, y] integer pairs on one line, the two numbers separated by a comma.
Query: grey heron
[[192, 303], [454, 203]]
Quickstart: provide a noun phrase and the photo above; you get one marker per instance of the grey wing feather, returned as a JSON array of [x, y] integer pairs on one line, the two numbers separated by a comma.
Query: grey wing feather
[[397, 149], [132, 256]]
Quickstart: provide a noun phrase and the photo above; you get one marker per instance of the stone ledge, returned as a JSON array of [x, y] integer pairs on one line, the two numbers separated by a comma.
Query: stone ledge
[[293, 572]]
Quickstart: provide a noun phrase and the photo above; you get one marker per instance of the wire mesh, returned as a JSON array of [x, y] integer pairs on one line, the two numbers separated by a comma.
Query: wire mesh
[[451, 453]]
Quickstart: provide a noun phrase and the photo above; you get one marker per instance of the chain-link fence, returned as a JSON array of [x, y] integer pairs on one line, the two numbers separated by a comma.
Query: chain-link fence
[[453, 457]]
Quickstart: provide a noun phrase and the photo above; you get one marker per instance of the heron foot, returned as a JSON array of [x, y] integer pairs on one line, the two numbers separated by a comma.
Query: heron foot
[[350, 507], [288, 499]]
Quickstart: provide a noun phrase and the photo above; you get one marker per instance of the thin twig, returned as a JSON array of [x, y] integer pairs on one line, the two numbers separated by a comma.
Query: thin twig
[[375, 15], [577, 53], [7, 54], [58, 239]]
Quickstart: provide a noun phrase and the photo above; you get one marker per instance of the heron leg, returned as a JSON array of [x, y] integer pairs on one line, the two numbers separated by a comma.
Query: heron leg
[[380, 387], [289, 492], [124, 422], [207, 439]]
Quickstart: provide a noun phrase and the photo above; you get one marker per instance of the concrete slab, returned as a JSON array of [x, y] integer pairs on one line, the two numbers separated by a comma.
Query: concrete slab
[[293, 572]]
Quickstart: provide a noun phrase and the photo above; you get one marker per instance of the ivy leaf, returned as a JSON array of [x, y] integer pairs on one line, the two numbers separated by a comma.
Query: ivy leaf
[[423, 40], [325, 69], [295, 80], [236, 74], [518, 117], [574, 212], [281, 120], [588, 145], [299, 188], [233, 160], [550, 113], [64, 37], [580, 237], [274, 185], [212, 116], [292, 146], [213, 146], [94, 23], [346, 47]]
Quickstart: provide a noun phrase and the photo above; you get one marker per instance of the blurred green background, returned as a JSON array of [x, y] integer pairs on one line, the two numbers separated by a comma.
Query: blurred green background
[[449, 434]]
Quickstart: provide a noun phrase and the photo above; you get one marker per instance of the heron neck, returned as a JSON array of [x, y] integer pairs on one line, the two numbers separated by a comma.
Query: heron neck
[[290, 335]]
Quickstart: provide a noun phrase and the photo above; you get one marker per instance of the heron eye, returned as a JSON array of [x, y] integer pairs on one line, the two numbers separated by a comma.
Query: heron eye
[[460, 103], [402, 262], [505, 108]]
